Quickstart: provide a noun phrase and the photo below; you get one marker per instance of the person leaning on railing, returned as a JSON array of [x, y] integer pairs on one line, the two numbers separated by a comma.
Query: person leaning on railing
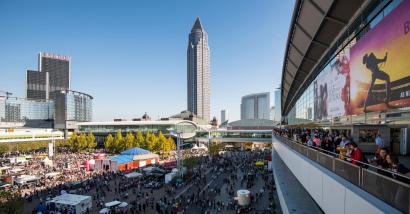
[[399, 168], [355, 155]]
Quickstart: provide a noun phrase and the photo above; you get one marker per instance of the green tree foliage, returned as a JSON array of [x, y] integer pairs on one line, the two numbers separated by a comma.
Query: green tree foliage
[[4, 148], [129, 140], [73, 142], [10, 203], [160, 143], [118, 144], [139, 140], [108, 143], [172, 144], [150, 140], [214, 148], [91, 143], [191, 162], [28, 146], [82, 142]]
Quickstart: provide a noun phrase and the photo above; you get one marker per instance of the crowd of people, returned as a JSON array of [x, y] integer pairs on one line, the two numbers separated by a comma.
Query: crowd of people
[[230, 172], [210, 186], [340, 144], [62, 169]]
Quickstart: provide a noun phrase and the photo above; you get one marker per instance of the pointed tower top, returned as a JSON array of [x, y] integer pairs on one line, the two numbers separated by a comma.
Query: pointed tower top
[[197, 24]]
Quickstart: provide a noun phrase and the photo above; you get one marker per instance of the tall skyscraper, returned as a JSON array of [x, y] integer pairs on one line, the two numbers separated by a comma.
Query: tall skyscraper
[[278, 114], [53, 75], [255, 106], [224, 116], [198, 72]]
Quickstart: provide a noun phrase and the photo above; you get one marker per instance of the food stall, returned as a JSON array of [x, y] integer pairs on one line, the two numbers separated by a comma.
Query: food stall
[[70, 202]]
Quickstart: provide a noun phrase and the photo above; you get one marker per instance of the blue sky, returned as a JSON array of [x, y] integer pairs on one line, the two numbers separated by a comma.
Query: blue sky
[[131, 55]]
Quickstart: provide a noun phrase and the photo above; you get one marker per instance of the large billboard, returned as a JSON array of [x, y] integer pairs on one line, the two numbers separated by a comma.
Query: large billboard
[[380, 64], [331, 89]]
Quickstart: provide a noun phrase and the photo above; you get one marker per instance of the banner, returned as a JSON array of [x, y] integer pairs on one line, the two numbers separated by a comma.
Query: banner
[[50, 150], [330, 89], [380, 64]]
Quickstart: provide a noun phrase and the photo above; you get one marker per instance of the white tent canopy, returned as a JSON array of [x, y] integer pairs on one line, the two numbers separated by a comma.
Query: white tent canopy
[[52, 174], [104, 211], [123, 204], [133, 175], [112, 204], [25, 178], [16, 170]]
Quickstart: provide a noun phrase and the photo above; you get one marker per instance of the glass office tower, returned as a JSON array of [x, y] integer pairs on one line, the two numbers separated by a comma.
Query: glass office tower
[[21, 110]]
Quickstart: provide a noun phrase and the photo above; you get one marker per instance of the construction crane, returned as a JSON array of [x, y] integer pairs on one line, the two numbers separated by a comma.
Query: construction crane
[[6, 93]]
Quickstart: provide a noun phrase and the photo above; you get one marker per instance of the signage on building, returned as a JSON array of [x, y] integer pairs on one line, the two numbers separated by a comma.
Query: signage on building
[[50, 150], [55, 56]]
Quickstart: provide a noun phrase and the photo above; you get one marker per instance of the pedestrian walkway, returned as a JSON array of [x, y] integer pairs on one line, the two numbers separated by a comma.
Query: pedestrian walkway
[[293, 196]]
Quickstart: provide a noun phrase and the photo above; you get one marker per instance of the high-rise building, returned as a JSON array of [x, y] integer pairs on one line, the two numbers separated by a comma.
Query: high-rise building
[[51, 83], [278, 115], [272, 113], [37, 85], [53, 75], [16, 112], [198, 72], [72, 107], [255, 106], [224, 116]]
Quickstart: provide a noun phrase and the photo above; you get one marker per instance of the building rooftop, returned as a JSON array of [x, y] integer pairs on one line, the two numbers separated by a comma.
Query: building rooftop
[[142, 122], [135, 151], [70, 199], [252, 122]]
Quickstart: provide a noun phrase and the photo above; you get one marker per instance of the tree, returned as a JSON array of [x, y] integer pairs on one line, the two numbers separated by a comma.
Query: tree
[[11, 202], [129, 140], [73, 142], [150, 140], [139, 140], [91, 144], [82, 142], [160, 143], [172, 144], [168, 146], [4, 148], [214, 148], [108, 143], [191, 162], [118, 142]]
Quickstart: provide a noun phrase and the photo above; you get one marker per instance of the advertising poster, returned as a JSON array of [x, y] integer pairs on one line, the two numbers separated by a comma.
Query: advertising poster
[[380, 64], [50, 150], [331, 89]]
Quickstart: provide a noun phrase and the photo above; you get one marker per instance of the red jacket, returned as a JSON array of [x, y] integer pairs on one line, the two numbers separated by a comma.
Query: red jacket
[[356, 155]]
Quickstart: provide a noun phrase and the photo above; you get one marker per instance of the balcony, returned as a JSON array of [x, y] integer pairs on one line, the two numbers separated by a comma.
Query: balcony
[[339, 186]]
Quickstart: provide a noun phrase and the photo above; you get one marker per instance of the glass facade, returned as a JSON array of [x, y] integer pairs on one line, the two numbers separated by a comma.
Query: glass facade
[[255, 106], [341, 89], [184, 127], [20, 110], [102, 129], [235, 134], [72, 106], [79, 107]]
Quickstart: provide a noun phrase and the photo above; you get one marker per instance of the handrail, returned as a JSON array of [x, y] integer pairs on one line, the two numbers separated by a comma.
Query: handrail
[[336, 156], [401, 203]]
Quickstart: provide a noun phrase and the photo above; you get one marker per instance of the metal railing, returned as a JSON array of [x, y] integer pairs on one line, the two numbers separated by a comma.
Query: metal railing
[[372, 179]]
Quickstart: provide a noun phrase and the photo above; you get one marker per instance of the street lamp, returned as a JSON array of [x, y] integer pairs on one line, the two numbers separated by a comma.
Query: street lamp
[[174, 132], [53, 141]]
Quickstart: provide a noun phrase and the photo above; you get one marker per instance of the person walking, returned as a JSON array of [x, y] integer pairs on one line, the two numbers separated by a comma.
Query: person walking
[[379, 143]]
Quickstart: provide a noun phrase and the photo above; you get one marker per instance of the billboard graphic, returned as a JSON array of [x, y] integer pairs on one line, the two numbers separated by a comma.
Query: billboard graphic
[[331, 89], [380, 64]]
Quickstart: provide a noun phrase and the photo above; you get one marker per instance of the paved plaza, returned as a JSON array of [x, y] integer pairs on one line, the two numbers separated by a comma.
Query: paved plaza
[[211, 189]]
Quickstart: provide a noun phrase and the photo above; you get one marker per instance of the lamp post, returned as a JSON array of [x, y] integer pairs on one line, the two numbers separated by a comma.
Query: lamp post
[[174, 132], [53, 141]]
